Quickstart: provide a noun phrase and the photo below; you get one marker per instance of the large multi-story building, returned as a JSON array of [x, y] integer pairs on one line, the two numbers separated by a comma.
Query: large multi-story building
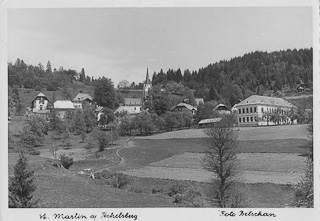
[[261, 110]]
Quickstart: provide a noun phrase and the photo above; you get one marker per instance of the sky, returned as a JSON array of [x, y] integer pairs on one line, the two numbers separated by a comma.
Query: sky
[[120, 43]]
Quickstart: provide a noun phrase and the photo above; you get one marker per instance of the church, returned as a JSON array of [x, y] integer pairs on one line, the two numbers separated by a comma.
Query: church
[[133, 98]]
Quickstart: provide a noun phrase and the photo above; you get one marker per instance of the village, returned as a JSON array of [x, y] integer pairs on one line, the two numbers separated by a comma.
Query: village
[[118, 110]]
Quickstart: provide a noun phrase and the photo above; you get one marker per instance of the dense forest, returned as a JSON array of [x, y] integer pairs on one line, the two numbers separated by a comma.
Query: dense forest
[[252, 73], [33, 77], [224, 81]]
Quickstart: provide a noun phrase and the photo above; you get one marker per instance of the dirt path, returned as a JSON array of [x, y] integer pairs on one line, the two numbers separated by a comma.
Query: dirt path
[[122, 159]]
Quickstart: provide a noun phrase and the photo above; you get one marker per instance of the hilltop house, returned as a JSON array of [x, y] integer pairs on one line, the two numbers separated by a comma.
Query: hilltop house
[[185, 107], [258, 110], [40, 104], [61, 106], [80, 98]]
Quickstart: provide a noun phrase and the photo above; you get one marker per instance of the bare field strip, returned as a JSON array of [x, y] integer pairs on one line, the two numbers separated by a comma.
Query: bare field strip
[[254, 168], [245, 133]]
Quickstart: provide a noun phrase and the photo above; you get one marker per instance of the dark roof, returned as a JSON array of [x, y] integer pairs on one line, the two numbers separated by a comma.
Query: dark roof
[[188, 106], [132, 101], [131, 93], [40, 95], [82, 97], [221, 107], [256, 99]]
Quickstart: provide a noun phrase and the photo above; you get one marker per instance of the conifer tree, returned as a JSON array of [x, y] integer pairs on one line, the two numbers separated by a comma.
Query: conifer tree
[[22, 186]]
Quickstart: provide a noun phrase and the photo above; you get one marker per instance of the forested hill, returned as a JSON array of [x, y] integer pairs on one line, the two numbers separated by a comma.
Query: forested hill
[[252, 73]]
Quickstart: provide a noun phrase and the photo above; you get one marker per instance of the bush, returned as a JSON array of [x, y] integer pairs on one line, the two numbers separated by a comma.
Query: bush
[[37, 88], [119, 181], [194, 197], [177, 198], [66, 161], [83, 136], [176, 189], [156, 190], [34, 152], [135, 189]]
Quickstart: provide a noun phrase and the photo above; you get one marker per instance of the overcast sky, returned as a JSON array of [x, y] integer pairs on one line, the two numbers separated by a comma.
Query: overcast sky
[[120, 43]]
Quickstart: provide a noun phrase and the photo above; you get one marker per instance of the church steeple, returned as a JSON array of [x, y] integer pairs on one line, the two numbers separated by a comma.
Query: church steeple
[[147, 85], [147, 78]]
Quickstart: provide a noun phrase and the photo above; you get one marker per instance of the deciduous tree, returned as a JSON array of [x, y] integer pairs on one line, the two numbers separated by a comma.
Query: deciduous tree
[[220, 159]]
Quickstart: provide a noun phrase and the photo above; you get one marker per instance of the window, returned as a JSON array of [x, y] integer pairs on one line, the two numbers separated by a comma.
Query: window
[[239, 111], [255, 109], [247, 119], [250, 109], [244, 119], [243, 110], [251, 119], [247, 110], [261, 109], [240, 120], [134, 108]]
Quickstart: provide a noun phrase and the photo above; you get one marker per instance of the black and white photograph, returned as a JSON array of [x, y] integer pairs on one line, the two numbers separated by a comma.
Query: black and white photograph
[[198, 110]]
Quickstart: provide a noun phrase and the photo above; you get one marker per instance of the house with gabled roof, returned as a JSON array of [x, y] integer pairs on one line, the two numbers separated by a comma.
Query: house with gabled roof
[[80, 98], [40, 104], [222, 109], [62, 106], [134, 103], [257, 110], [185, 107]]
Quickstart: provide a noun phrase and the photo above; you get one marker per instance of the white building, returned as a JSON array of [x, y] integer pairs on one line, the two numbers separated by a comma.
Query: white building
[[134, 103], [61, 106], [80, 98], [258, 110], [40, 104]]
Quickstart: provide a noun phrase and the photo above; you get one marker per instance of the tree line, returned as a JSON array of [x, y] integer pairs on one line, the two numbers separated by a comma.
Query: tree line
[[38, 76], [240, 77]]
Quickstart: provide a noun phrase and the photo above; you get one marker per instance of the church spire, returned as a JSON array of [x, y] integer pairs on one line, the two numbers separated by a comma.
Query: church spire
[[147, 77]]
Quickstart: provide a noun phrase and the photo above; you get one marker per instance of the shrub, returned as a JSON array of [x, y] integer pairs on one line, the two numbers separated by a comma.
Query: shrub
[[119, 181], [194, 197], [34, 152], [156, 190], [176, 189], [177, 198], [83, 136], [66, 161], [37, 88], [135, 189]]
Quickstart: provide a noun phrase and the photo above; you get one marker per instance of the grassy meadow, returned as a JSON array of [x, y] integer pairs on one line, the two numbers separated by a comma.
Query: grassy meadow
[[165, 163]]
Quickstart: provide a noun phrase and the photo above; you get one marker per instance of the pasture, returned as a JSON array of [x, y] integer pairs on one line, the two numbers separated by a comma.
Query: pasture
[[271, 159], [245, 133]]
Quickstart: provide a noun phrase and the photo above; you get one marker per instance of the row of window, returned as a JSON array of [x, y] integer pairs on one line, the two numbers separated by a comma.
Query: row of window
[[254, 110], [247, 110], [247, 119]]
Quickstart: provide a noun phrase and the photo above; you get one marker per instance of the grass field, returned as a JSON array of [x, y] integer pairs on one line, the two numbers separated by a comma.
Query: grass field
[[245, 133], [267, 154]]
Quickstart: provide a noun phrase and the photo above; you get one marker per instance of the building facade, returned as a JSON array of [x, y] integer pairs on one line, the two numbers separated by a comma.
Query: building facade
[[134, 103], [80, 98], [261, 110], [40, 104], [185, 107]]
